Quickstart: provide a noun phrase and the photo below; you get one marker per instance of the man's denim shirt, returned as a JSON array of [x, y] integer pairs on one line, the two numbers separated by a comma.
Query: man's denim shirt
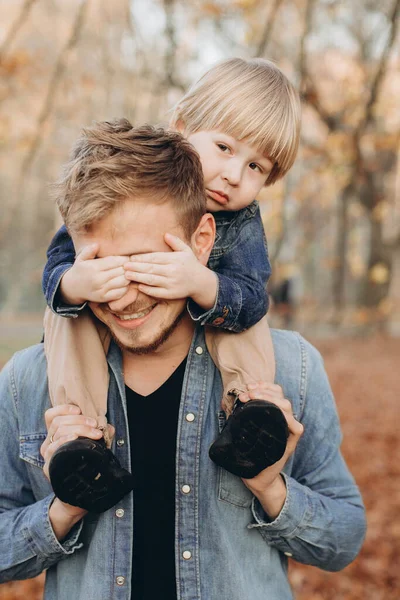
[[226, 546], [239, 258]]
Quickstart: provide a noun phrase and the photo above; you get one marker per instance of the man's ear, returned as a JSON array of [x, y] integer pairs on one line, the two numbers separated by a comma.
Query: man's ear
[[203, 238]]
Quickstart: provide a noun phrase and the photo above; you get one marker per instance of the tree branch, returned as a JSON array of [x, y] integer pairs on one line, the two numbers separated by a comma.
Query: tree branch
[[45, 112], [262, 45], [16, 26], [381, 70], [169, 63], [308, 89], [57, 75]]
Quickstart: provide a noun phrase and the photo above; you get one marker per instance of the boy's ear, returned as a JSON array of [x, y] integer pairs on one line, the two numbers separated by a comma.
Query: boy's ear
[[203, 238], [178, 126]]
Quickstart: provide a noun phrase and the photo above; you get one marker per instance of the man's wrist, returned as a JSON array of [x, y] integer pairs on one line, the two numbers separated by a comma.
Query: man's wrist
[[273, 497], [63, 517]]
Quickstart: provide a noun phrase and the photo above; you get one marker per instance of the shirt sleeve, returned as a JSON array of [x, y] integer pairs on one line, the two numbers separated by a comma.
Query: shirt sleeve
[[60, 258], [322, 522], [28, 544], [243, 270]]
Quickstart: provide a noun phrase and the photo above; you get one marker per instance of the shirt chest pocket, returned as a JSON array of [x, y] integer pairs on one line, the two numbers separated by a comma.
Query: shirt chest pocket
[[29, 449], [231, 488]]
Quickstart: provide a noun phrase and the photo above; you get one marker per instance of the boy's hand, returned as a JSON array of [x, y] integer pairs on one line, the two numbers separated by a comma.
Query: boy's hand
[[173, 275], [269, 486], [94, 279]]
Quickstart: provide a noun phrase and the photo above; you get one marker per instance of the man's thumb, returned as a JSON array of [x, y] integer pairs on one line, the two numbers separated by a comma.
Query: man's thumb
[[87, 252]]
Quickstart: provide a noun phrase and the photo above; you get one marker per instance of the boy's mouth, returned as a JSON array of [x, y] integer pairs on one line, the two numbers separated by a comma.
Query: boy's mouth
[[218, 196]]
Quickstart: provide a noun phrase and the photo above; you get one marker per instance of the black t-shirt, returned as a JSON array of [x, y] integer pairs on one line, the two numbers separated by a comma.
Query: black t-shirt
[[153, 422]]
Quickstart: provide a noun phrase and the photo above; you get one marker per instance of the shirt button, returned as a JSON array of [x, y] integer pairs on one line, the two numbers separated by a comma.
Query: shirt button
[[187, 554], [120, 443], [119, 513], [288, 554], [218, 321], [190, 417], [186, 489], [199, 350], [120, 580]]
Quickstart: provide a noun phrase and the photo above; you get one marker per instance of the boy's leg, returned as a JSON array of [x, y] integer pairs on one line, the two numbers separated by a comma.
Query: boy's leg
[[255, 434], [83, 472], [77, 368], [241, 358]]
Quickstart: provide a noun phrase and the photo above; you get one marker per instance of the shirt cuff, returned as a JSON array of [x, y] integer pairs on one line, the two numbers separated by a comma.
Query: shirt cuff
[[41, 534], [295, 515]]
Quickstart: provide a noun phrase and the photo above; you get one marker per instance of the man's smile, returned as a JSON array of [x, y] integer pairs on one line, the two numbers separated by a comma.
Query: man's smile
[[133, 319]]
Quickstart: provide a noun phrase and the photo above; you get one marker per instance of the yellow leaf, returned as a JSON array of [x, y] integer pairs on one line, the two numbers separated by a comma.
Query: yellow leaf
[[379, 274]]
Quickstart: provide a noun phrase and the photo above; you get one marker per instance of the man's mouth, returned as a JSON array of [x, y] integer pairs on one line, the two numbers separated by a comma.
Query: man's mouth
[[218, 196], [136, 315], [133, 319]]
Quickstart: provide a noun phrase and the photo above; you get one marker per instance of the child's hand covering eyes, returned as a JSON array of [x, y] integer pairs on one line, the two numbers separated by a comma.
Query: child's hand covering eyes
[[173, 275], [94, 279]]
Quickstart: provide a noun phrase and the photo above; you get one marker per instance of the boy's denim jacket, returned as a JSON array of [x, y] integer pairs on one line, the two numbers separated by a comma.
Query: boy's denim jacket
[[235, 550], [239, 258]]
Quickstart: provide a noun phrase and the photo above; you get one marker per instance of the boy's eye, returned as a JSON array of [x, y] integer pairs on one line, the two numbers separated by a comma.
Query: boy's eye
[[222, 147], [255, 166]]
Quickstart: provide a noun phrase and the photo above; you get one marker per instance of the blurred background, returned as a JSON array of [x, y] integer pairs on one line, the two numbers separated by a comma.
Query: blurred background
[[333, 224]]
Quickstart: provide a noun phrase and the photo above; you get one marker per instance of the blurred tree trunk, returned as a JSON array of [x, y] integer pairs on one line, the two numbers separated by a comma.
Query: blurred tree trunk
[[366, 183]]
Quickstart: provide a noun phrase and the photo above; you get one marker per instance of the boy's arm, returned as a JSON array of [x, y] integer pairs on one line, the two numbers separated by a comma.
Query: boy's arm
[[70, 281], [243, 271], [60, 258], [231, 294]]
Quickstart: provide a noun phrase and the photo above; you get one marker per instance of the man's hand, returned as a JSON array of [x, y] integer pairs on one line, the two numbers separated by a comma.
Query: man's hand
[[65, 423], [269, 486], [173, 275], [94, 279]]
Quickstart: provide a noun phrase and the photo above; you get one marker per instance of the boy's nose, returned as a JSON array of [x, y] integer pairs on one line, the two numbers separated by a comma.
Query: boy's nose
[[129, 298], [233, 173]]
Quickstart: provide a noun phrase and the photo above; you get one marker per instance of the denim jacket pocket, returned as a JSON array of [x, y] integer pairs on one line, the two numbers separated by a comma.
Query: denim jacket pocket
[[29, 446]]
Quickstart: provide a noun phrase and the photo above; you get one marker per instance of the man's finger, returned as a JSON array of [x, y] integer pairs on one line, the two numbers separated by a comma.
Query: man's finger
[[60, 410]]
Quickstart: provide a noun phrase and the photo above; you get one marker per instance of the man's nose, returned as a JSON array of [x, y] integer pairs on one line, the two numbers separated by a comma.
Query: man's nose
[[130, 297]]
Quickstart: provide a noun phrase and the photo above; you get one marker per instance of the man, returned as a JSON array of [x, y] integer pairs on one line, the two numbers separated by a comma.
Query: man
[[190, 529]]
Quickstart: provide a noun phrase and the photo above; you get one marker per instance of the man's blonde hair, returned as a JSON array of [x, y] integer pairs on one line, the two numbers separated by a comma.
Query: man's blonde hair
[[114, 161], [250, 100]]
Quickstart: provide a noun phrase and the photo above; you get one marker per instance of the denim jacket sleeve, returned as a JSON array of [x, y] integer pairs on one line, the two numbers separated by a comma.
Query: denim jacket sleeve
[[322, 522], [60, 258], [240, 260], [27, 541]]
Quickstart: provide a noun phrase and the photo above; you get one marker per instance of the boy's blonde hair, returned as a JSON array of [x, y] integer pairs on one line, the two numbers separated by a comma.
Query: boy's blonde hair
[[250, 100]]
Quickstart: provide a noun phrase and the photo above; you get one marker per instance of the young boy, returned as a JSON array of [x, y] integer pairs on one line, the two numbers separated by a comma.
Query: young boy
[[243, 118]]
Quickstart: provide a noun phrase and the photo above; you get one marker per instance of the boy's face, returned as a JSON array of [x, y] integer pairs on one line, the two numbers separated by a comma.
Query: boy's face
[[234, 172]]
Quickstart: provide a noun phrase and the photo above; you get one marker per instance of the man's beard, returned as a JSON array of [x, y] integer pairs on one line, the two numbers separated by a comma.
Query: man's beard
[[163, 336]]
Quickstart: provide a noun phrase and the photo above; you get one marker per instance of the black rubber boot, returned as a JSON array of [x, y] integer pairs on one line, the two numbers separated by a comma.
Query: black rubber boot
[[253, 438], [85, 473]]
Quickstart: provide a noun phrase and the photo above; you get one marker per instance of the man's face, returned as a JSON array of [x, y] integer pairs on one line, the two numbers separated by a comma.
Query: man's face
[[138, 323]]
